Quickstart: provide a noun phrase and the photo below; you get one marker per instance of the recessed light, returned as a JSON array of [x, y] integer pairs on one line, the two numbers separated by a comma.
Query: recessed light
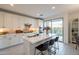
[[53, 7]]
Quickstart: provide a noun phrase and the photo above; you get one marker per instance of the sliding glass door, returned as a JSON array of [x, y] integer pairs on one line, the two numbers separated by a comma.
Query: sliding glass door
[[56, 26]]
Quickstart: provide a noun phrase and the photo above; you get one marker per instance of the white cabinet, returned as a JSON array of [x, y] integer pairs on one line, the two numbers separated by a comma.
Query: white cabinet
[[4, 42], [9, 40], [1, 19], [14, 40], [9, 20]]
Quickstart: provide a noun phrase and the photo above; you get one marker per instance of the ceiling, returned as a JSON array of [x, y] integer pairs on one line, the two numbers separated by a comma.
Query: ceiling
[[36, 10]]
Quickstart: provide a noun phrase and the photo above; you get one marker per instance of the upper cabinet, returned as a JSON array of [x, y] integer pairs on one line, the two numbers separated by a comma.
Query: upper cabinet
[[12, 20], [8, 20], [1, 19]]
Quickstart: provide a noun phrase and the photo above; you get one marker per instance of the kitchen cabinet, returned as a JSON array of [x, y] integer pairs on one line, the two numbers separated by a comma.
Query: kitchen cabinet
[[1, 19], [4, 42], [9, 40], [9, 20]]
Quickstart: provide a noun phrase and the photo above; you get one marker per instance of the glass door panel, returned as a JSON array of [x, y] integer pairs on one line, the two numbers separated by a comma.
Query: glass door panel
[[57, 28]]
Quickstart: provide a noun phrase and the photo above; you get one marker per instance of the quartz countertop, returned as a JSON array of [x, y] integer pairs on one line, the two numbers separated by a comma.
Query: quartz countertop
[[39, 38]]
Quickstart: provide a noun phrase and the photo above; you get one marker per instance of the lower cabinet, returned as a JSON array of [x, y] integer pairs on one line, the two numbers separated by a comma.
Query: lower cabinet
[[4, 42], [9, 40], [10, 44]]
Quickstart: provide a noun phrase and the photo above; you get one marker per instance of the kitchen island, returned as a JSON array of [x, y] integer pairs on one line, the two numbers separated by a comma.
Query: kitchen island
[[32, 42]]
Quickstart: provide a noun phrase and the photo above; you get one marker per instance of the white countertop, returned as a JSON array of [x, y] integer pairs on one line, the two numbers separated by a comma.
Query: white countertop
[[38, 38]]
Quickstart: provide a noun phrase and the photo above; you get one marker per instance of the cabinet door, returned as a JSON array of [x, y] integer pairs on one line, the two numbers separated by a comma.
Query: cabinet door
[[4, 42], [10, 20], [1, 19], [7, 41], [14, 40]]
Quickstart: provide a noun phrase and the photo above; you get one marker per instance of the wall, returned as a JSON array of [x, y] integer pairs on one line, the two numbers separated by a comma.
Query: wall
[[65, 18], [13, 21], [73, 15]]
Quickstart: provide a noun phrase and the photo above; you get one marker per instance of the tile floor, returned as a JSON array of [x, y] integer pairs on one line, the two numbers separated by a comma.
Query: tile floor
[[66, 49]]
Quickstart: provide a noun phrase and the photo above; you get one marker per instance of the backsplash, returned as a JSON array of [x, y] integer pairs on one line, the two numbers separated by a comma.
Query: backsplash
[[17, 30]]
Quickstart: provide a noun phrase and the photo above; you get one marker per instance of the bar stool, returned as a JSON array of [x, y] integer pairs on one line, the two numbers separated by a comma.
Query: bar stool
[[56, 42], [42, 48], [77, 42], [51, 45]]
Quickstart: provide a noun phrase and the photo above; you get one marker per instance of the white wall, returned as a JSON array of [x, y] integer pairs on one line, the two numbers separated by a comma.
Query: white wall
[[73, 15], [65, 18], [13, 21]]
